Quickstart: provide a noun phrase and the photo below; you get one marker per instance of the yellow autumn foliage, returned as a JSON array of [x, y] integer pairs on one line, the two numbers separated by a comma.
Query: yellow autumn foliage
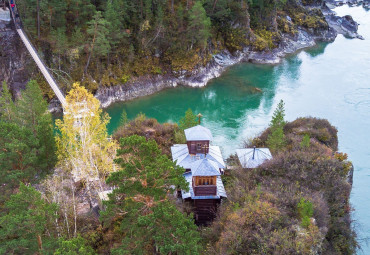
[[83, 146]]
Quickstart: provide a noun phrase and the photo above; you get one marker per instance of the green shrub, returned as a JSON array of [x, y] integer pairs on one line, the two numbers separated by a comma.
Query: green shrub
[[305, 141], [235, 39], [312, 20], [125, 78], [260, 44], [305, 211], [164, 134]]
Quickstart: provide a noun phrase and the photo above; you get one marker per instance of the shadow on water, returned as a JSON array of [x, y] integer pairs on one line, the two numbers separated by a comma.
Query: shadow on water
[[318, 50]]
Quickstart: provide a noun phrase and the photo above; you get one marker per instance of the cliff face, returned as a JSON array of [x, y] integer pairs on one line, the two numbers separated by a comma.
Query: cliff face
[[15, 63]]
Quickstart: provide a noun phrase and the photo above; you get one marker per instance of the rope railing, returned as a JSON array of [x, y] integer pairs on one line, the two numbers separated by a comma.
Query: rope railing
[[41, 65]]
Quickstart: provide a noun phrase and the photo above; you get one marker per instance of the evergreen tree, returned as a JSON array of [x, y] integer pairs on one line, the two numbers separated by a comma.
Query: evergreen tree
[[27, 146], [123, 120], [171, 231], [276, 139], [18, 156], [278, 116], [114, 15], [61, 43], [188, 121], [98, 32], [305, 143], [199, 25], [32, 113], [29, 226], [6, 104], [74, 246], [141, 203]]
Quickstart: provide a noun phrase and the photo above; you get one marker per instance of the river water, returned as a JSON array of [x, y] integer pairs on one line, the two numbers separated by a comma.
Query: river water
[[329, 81]]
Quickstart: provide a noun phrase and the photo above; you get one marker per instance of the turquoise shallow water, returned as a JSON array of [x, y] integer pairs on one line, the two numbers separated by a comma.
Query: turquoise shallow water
[[329, 81]]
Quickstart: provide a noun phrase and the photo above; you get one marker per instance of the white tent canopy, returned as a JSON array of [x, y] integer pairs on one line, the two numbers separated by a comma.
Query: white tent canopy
[[253, 157]]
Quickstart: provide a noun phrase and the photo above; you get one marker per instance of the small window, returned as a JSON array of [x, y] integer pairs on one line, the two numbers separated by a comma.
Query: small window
[[199, 146]]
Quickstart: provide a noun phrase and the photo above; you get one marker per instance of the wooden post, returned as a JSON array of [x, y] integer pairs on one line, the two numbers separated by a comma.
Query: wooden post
[[199, 116]]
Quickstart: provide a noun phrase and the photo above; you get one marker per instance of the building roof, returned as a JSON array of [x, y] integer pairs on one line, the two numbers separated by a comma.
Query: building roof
[[253, 157], [200, 164], [198, 133], [180, 153], [205, 167], [190, 194]]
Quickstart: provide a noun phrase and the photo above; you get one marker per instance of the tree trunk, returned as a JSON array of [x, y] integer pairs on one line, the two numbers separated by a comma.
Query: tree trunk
[[92, 48], [38, 19], [39, 242], [214, 5], [172, 8], [141, 8], [74, 209]]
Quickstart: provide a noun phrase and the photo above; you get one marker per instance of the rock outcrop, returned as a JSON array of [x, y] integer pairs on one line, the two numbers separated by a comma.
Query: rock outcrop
[[15, 61]]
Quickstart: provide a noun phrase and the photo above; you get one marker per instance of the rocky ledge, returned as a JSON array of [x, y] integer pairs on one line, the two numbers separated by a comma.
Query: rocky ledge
[[335, 3], [304, 38]]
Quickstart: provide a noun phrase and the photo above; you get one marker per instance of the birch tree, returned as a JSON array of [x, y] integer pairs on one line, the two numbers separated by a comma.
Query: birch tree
[[83, 146]]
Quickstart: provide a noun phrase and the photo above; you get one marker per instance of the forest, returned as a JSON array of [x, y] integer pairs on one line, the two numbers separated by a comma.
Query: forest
[[106, 43], [53, 185]]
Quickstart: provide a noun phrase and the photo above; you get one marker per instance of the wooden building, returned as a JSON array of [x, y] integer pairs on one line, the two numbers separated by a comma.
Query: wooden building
[[204, 166]]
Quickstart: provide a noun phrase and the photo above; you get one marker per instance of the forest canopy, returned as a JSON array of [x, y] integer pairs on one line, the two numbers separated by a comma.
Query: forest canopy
[[105, 43]]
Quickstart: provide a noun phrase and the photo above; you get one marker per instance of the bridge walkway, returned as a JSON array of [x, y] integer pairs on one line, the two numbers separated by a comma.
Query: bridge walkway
[[33, 52]]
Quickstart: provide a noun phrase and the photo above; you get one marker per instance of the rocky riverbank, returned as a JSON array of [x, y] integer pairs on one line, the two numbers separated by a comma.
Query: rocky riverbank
[[304, 38], [16, 65]]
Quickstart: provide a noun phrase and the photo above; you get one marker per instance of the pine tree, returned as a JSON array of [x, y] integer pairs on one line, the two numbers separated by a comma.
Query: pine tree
[[199, 25], [146, 181], [278, 116], [114, 15], [6, 104], [188, 121], [98, 31], [32, 113], [74, 246], [27, 146], [167, 229], [29, 225], [18, 155], [123, 120], [305, 143], [276, 138]]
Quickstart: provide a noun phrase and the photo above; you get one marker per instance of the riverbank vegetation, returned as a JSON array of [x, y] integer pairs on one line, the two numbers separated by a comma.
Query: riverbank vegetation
[[62, 192], [106, 43]]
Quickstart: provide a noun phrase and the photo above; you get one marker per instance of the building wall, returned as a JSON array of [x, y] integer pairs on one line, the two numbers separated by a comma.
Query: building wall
[[198, 147], [206, 190]]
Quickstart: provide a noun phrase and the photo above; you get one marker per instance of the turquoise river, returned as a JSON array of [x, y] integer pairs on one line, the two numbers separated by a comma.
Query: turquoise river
[[329, 81]]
